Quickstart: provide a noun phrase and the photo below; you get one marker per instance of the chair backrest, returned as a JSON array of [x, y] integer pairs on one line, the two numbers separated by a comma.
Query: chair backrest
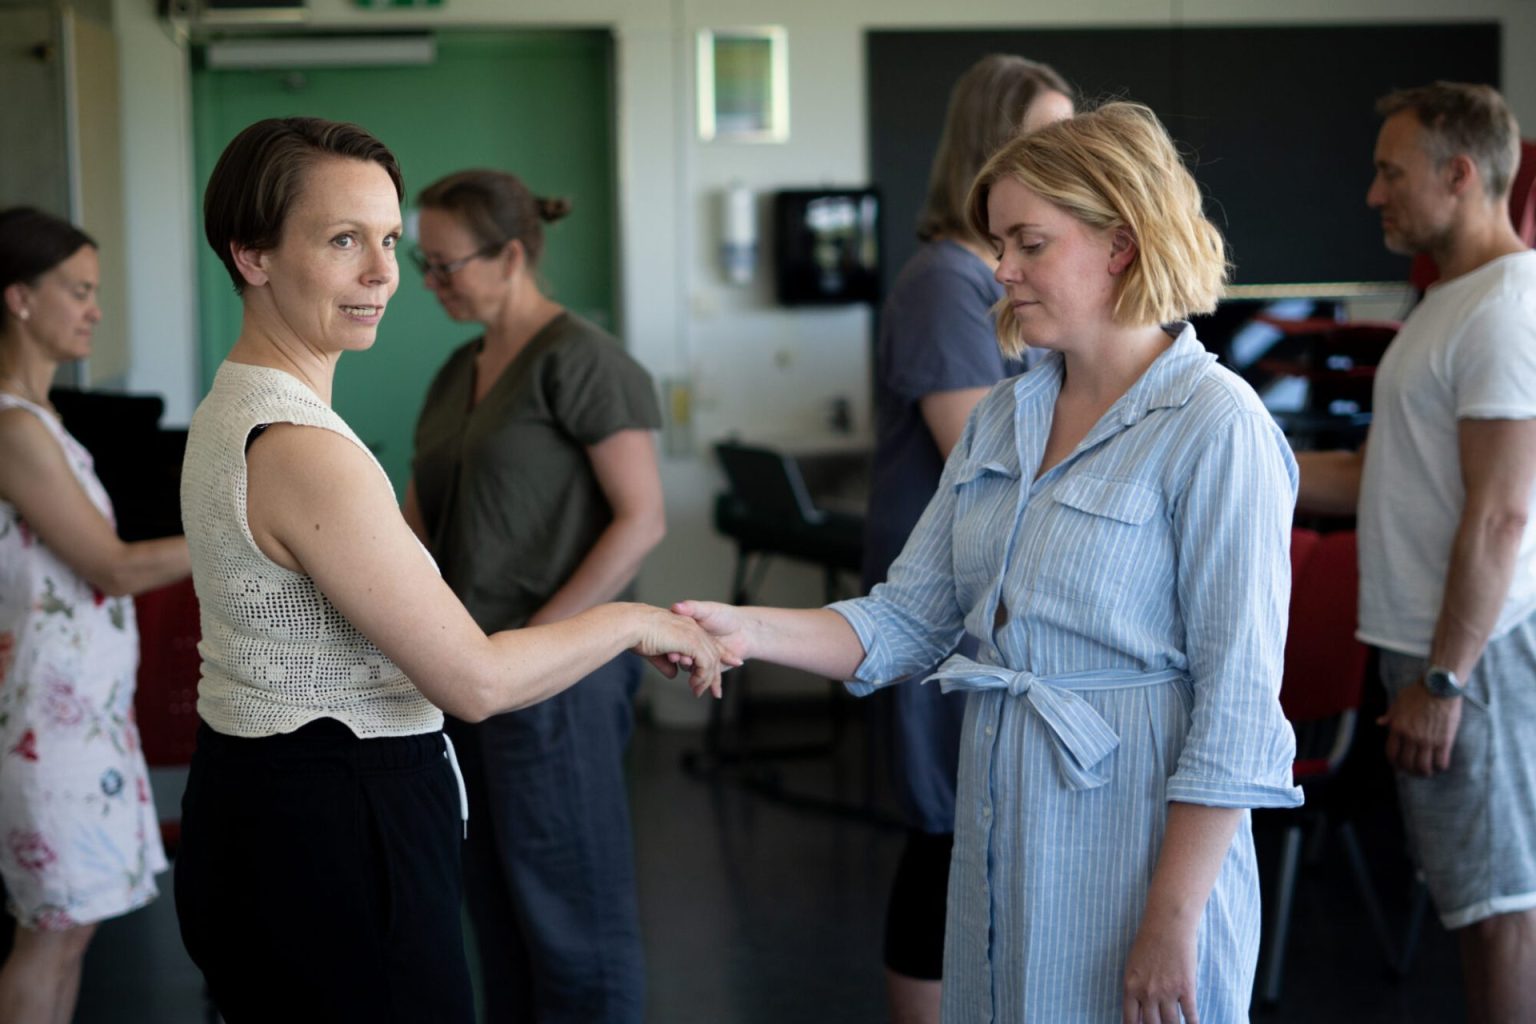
[[165, 703], [1324, 663], [768, 483], [1522, 214]]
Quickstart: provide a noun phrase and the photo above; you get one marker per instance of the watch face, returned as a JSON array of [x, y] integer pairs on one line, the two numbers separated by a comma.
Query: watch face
[[1442, 683]]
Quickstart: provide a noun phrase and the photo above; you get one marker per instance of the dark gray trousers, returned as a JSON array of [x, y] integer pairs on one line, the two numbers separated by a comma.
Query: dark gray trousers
[[549, 867]]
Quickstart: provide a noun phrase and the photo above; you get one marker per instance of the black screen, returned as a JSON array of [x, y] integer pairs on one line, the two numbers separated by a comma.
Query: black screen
[[1278, 123]]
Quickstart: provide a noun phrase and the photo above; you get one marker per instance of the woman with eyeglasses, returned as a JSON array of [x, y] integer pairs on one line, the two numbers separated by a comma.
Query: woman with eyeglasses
[[535, 485]]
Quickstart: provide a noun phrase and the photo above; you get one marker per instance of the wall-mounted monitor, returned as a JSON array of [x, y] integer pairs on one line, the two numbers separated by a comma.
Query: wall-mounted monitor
[[826, 246]]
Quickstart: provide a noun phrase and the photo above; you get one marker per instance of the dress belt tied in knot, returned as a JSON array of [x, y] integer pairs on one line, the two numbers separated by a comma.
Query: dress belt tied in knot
[[1082, 738]]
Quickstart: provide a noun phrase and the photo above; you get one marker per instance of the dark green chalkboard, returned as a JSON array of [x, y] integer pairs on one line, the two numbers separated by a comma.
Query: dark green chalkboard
[[1278, 122]]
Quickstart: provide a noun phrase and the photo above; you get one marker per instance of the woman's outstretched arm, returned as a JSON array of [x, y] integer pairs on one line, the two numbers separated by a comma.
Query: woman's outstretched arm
[[317, 505], [815, 640]]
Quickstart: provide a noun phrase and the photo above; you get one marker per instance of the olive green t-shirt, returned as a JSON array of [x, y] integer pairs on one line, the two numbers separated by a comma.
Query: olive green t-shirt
[[506, 490]]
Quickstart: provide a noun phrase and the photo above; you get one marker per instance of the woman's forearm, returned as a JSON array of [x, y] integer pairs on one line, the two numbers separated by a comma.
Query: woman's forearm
[[814, 640], [1162, 967], [147, 565], [609, 566], [1194, 846]]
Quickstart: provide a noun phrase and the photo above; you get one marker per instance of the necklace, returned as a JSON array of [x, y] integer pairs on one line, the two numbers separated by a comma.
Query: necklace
[[17, 387]]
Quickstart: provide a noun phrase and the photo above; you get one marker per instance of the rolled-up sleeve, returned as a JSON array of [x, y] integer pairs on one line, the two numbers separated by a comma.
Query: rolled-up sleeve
[[913, 620], [1232, 525]]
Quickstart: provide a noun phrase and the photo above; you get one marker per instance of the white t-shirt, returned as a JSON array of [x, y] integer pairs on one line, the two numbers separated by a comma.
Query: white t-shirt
[[1467, 352]]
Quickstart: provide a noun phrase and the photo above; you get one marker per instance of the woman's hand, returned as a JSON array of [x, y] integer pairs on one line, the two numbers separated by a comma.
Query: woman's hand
[[1160, 973], [669, 640], [725, 622]]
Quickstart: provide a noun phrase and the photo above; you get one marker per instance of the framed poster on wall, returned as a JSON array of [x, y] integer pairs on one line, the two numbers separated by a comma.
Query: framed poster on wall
[[743, 78]]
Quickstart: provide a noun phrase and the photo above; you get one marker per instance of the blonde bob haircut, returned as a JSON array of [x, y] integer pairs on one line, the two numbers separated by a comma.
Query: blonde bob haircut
[[1111, 168]]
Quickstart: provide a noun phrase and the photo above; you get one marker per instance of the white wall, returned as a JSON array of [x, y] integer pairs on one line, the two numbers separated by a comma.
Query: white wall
[[159, 200], [754, 367]]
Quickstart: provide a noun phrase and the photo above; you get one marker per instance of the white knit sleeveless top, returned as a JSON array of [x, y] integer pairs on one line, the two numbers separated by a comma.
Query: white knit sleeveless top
[[276, 653]]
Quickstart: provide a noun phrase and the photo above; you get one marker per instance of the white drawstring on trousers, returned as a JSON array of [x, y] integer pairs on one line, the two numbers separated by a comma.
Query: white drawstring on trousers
[[458, 777]]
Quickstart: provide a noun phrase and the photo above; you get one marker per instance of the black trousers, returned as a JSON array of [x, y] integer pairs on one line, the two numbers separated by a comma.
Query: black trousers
[[914, 922], [319, 878]]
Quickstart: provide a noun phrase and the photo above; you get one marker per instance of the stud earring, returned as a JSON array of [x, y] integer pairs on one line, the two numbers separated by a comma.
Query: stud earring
[[25, 314]]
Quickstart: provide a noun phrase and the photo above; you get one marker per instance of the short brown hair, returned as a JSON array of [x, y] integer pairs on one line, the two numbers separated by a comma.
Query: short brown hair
[[1116, 167], [496, 207], [1461, 117], [261, 174], [987, 107]]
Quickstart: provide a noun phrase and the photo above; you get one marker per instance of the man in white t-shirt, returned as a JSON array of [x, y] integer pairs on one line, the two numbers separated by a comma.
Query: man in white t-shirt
[[1447, 548]]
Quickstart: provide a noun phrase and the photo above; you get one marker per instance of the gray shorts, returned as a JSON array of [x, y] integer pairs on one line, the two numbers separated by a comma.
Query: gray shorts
[[1472, 829]]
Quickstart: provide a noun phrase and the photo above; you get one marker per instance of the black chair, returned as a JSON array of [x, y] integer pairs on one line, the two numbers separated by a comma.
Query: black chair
[[770, 512]]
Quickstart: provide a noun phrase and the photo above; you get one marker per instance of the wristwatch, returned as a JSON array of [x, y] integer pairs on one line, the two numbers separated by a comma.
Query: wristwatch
[[1442, 682]]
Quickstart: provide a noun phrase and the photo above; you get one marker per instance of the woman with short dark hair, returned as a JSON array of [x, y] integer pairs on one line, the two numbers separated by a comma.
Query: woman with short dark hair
[[319, 876], [79, 837]]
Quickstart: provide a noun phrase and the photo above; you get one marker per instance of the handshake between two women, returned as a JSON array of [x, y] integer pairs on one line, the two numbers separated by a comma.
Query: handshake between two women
[[816, 640]]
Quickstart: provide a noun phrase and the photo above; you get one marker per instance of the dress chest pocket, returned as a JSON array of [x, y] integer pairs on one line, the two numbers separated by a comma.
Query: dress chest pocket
[[1098, 540], [986, 503]]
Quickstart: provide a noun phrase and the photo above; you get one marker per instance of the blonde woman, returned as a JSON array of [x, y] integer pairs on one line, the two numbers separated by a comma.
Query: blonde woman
[[936, 358], [1112, 528]]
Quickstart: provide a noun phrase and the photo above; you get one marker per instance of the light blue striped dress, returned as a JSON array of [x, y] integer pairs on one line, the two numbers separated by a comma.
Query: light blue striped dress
[[1131, 610]]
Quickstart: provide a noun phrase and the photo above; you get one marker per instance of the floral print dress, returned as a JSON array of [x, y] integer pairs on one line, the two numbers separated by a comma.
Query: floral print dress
[[79, 837]]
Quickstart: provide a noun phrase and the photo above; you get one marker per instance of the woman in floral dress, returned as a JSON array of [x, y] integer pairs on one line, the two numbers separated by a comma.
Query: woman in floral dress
[[79, 839]]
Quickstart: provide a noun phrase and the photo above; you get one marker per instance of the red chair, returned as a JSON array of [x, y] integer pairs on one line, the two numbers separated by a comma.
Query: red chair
[[1321, 691], [165, 704], [1522, 214]]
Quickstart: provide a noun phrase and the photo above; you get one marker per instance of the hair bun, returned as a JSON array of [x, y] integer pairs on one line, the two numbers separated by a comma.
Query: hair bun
[[551, 210]]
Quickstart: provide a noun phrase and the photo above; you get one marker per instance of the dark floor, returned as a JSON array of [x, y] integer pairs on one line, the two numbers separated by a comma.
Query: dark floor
[[762, 910]]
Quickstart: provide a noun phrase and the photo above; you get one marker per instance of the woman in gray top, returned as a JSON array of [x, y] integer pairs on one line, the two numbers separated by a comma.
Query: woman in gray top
[[535, 485]]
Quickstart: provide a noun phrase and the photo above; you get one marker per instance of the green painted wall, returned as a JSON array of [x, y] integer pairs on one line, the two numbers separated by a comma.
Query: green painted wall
[[538, 104]]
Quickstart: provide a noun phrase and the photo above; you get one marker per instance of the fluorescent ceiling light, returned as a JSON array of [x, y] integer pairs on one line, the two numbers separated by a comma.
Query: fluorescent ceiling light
[[322, 52]]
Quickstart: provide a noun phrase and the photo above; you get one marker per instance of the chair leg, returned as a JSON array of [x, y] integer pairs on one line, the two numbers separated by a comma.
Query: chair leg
[[1368, 891], [1280, 923]]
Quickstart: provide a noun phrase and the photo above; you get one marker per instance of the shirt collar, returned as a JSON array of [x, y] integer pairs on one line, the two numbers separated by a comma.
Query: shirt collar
[[1171, 379], [1168, 383]]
